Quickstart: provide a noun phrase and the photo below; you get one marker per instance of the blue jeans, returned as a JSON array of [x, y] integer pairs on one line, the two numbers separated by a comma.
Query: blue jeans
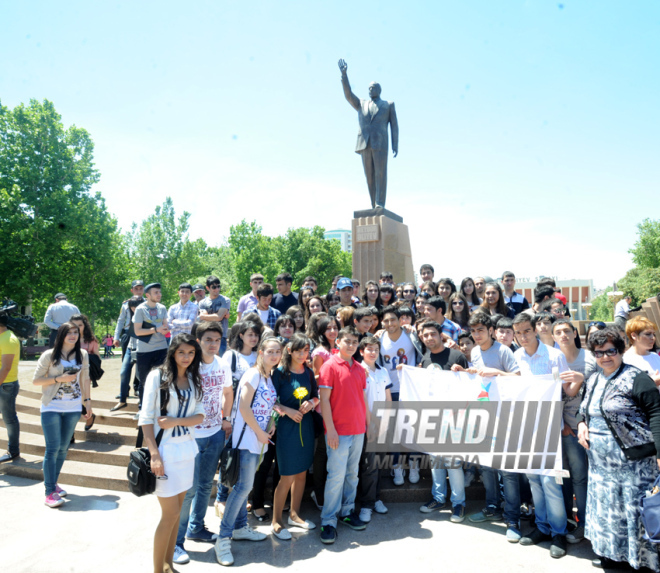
[[223, 347], [342, 482], [58, 429], [197, 497], [8, 393], [125, 375], [456, 479], [548, 504], [235, 515], [575, 461], [511, 486]]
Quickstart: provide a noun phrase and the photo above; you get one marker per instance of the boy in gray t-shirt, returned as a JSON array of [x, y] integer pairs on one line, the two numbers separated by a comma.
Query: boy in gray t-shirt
[[150, 323]]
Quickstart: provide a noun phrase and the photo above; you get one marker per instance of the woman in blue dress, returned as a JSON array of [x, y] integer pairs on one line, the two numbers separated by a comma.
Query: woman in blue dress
[[296, 389]]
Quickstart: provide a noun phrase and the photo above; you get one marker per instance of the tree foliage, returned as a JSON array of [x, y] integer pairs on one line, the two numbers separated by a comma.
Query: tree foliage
[[601, 308], [300, 251], [56, 234], [160, 250], [646, 252], [640, 283]]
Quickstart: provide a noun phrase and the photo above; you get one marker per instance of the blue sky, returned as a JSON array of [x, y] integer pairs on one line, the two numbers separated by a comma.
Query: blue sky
[[528, 129]]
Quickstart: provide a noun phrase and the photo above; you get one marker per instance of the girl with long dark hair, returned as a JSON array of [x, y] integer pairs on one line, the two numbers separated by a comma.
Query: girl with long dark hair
[[470, 293], [494, 301], [371, 295], [63, 374], [256, 399], [178, 383], [298, 395], [298, 314]]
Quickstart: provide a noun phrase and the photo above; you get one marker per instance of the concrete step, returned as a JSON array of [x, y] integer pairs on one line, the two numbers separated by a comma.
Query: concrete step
[[100, 404], [73, 472], [123, 417], [90, 452], [100, 433]]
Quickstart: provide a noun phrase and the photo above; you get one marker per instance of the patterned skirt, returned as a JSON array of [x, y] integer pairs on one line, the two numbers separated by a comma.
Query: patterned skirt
[[616, 487]]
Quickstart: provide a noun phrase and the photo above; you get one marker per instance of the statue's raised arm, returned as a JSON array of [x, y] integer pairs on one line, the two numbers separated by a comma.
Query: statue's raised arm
[[350, 96]]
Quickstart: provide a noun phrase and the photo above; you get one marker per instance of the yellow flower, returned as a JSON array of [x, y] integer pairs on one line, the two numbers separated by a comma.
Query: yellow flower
[[300, 393]]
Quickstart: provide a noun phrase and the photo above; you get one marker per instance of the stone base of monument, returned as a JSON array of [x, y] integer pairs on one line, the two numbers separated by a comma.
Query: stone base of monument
[[381, 243]]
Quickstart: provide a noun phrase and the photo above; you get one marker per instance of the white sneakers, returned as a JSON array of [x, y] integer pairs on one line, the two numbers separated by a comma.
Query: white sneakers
[[365, 514], [413, 475], [180, 555], [399, 474], [223, 551], [247, 534], [222, 545], [379, 507]]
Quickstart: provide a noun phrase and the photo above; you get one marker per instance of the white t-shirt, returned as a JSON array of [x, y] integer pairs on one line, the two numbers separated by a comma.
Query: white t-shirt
[[68, 397], [262, 408], [243, 362], [649, 363], [394, 353], [378, 381], [216, 376], [263, 315]]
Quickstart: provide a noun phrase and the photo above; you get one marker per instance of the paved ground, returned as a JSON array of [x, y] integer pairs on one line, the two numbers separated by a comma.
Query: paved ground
[[107, 531]]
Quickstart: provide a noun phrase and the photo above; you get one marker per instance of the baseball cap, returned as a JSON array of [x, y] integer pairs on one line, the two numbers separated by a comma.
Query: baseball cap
[[137, 283], [198, 287], [150, 286], [343, 283], [60, 295]]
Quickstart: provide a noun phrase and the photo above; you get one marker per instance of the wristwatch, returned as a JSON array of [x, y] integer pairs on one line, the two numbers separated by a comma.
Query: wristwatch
[[225, 419]]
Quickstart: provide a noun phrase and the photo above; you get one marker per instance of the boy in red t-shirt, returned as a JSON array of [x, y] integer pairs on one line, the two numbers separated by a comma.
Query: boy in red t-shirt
[[343, 384]]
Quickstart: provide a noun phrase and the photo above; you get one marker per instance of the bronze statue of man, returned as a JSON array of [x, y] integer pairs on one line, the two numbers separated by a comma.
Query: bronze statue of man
[[372, 143]]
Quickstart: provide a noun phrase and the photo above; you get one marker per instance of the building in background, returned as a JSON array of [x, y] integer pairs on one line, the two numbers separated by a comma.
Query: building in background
[[576, 291], [344, 236]]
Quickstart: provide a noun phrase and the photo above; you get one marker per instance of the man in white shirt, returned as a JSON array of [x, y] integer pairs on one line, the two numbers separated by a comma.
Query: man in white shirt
[[537, 359], [57, 314], [181, 316], [397, 349], [210, 435], [622, 311]]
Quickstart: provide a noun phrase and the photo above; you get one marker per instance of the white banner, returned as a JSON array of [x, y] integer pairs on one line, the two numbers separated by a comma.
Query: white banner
[[524, 436]]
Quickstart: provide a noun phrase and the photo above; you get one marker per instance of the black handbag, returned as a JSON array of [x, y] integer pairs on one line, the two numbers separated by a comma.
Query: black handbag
[[650, 515], [95, 370], [230, 457], [146, 337], [141, 480]]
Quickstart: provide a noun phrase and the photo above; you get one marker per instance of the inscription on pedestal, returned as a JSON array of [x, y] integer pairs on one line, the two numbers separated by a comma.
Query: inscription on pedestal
[[366, 233]]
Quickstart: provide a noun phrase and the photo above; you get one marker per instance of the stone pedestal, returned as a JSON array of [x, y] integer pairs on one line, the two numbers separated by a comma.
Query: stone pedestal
[[381, 243]]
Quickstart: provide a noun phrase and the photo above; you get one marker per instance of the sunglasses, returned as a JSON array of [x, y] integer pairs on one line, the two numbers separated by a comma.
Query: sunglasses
[[457, 303], [597, 323], [217, 285], [608, 352], [406, 291]]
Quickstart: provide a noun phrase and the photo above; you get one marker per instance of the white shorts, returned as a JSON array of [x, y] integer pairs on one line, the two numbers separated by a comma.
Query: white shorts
[[178, 455]]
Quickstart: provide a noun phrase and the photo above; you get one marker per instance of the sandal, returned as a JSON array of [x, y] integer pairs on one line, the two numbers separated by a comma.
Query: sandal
[[89, 425], [261, 518]]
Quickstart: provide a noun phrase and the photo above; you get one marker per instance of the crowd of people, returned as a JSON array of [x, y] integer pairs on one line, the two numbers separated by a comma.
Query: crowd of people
[[291, 385]]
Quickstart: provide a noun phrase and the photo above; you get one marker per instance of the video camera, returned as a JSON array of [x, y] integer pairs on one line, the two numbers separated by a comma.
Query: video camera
[[21, 325]]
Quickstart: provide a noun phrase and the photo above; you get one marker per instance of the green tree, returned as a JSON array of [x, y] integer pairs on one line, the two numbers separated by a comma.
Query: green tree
[[646, 252], [601, 308], [251, 252], [56, 234], [640, 283], [304, 252], [161, 251]]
